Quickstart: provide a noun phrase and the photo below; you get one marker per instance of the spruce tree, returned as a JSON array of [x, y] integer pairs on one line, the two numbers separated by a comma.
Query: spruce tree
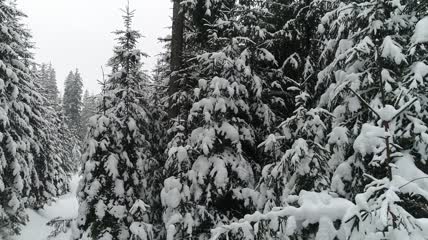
[[54, 163], [47, 81], [51, 85], [25, 155], [213, 156], [89, 109], [72, 100], [297, 147], [15, 130], [117, 156], [43, 76], [369, 120], [371, 95]]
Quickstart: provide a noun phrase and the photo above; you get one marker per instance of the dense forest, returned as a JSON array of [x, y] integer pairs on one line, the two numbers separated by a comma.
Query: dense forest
[[263, 119]]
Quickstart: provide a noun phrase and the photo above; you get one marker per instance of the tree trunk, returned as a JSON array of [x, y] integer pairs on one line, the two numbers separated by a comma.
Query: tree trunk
[[176, 54]]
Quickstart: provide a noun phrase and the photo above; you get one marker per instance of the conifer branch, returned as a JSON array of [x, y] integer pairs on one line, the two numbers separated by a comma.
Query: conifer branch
[[364, 102], [414, 180]]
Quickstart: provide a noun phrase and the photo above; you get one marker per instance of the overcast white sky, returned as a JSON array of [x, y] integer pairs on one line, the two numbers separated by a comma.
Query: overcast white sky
[[77, 33]]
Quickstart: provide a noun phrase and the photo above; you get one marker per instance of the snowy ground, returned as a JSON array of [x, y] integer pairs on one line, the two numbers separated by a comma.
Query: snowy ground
[[66, 207]]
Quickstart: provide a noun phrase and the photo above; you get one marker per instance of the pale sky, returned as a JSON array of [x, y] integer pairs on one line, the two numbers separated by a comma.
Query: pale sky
[[78, 33]]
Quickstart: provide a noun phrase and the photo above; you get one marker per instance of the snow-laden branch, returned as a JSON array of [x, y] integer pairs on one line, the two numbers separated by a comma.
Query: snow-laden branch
[[314, 207]]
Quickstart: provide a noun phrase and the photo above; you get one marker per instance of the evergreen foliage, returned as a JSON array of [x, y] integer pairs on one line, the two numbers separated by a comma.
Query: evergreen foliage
[[117, 157], [271, 119], [89, 109], [47, 81], [32, 170], [72, 100]]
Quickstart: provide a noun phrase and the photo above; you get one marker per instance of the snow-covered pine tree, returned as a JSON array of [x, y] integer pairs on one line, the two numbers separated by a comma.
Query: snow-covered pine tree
[[158, 137], [392, 140], [52, 85], [47, 81], [89, 109], [297, 148], [360, 80], [182, 81], [52, 166], [117, 158], [72, 100], [379, 124], [180, 85], [212, 167], [375, 58], [16, 163], [162, 68], [299, 160], [53, 162], [42, 76], [23, 128]]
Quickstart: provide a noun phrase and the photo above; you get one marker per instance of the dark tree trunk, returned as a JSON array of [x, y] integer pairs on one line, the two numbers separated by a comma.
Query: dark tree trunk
[[176, 54]]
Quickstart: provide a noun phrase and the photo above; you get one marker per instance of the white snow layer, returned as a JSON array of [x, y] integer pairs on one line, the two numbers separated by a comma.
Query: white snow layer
[[405, 168], [314, 207], [421, 32], [65, 207]]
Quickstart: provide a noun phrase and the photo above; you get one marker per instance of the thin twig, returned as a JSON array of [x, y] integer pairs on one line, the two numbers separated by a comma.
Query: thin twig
[[404, 108], [364, 102], [414, 180]]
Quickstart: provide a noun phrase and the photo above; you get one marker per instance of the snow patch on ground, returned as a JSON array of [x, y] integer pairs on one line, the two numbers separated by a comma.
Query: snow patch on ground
[[66, 207]]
